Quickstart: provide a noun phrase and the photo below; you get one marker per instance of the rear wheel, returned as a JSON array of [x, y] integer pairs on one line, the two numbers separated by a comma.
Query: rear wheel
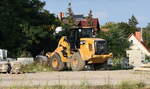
[[56, 63], [77, 64]]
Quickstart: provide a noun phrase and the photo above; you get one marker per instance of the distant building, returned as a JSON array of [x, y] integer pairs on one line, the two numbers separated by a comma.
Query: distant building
[[78, 17], [137, 50], [136, 41], [82, 21]]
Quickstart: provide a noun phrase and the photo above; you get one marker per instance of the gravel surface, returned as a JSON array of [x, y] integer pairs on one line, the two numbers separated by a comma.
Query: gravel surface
[[74, 78]]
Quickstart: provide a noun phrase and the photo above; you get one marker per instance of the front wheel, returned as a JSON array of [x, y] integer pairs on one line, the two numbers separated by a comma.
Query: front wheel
[[56, 63], [77, 64]]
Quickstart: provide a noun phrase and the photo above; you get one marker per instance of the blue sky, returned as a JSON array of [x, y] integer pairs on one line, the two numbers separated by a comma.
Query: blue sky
[[105, 10]]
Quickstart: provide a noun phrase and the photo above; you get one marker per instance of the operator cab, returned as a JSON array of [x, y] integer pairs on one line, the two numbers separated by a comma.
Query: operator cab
[[76, 34], [86, 33]]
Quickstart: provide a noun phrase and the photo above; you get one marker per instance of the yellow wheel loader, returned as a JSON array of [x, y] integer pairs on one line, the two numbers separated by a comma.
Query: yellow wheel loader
[[77, 50]]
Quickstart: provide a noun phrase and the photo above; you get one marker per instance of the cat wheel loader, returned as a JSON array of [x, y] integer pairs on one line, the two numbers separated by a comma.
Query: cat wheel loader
[[78, 49]]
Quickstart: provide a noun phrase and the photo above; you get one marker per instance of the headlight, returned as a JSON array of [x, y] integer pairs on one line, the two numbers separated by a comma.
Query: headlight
[[82, 42]]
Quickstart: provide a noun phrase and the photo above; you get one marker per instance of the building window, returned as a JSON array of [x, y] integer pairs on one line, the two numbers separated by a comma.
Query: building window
[[131, 41]]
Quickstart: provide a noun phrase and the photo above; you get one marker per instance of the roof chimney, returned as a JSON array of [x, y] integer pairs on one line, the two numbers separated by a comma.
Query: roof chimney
[[138, 35], [61, 15]]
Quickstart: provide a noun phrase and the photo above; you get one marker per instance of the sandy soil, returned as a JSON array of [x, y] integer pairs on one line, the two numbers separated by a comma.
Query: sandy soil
[[74, 78]]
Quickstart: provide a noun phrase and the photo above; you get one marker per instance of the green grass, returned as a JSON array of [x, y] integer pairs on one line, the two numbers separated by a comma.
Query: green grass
[[131, 85], [122, 85], [35, 67]]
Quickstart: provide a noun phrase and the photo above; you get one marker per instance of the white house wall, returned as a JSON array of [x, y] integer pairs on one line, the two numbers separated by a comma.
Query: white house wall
[[138, 46], [135, 57]]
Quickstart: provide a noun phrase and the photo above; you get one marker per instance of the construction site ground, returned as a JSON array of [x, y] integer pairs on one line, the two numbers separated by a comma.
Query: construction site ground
[[74, 78]]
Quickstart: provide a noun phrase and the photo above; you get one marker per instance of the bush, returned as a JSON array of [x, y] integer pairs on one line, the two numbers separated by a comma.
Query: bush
[[35, 67], [116, 63], [120, 63], [147, 58]]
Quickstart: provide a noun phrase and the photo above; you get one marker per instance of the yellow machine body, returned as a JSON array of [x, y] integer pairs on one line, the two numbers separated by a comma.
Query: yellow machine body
[[86, 50], [62, 43]]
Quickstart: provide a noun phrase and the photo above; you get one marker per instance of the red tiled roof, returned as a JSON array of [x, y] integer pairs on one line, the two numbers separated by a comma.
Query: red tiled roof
[[85, 23], [138, 35], [143, 43]]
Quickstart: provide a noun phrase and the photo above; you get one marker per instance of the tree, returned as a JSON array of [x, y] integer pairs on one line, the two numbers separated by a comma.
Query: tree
[[24, 26], [146, 35], [109, 25], [126, 29], [117, 41], [133, 21], [70, 17], [70, 23], [89, 18], [148, 27]]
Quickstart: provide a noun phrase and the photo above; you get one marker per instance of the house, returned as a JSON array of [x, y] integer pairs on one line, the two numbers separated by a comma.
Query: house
[[137, 43], [138, 50], [95, 24], [81, 21], [78, 17]]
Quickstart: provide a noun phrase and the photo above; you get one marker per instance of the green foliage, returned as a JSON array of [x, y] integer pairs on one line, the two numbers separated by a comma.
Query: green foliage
[[147, 58], [117, 63], [70, 17], [35, 67], [116, 38], [126, 28], [24, 25], [122, 85], [40, 40], [131, 85], [109, 25], [89, 18], [133, 21], [146, 35]]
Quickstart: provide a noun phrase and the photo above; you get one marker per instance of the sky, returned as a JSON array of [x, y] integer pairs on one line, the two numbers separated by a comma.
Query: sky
[[105, 10]]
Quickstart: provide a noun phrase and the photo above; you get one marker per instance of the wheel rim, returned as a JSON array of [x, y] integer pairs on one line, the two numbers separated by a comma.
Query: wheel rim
[[55, 63], [75, 62]]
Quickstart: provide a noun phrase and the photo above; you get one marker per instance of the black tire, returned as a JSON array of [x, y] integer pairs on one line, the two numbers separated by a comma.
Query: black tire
[[77, 64], [59, 66]]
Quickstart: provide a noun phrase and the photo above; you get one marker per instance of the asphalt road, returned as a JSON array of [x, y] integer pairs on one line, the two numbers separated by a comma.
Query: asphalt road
[[73, 78]]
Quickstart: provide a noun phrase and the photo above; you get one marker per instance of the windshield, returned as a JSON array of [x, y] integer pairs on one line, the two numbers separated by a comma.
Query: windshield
[[86, 32], [101, 47]]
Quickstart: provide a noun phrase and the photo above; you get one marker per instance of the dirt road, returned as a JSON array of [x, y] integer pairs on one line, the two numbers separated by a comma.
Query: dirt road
[[73, 78]]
